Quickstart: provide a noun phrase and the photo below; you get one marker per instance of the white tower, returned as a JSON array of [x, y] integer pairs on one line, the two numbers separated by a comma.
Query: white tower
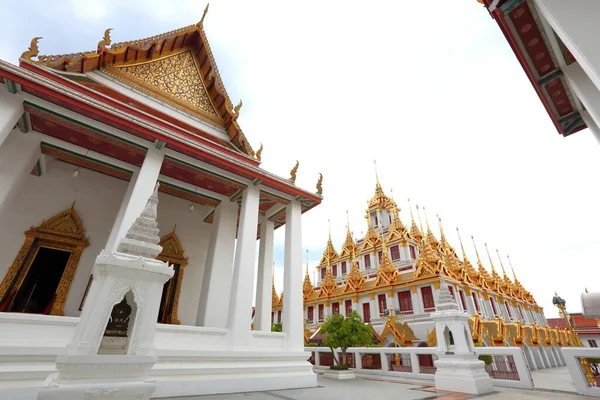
[[458, 368], [112, 351]]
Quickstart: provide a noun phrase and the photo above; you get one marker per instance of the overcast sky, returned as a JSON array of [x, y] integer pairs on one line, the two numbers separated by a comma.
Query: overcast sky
[[430, 89]]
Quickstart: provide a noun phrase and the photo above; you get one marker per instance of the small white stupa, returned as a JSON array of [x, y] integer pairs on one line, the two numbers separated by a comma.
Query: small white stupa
[[112, 351], [458, 368]]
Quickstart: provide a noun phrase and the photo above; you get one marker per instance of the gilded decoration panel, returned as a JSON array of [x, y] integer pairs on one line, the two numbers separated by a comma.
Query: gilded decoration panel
[[174, 79]]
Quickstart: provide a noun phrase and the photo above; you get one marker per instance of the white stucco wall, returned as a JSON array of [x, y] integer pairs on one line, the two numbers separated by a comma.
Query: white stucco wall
[[98, 198]]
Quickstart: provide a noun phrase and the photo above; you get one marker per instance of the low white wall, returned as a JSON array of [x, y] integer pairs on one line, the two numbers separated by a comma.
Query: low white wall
[[571, 355]]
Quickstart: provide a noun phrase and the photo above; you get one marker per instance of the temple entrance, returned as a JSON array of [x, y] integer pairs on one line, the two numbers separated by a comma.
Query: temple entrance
[[39, 279], [173, 254], [37, 292]]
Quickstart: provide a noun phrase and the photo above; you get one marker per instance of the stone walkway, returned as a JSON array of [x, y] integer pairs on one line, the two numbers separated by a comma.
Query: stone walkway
[[360, 389], [553, 379]]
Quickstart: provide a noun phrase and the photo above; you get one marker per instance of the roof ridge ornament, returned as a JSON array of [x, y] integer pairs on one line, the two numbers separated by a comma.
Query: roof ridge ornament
[[103, 44], [33, 50], [294, 171], [201, 23], [259, 153], [320, 184]]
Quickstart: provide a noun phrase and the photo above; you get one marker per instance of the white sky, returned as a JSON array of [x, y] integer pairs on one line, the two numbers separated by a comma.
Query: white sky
[[430, 89]]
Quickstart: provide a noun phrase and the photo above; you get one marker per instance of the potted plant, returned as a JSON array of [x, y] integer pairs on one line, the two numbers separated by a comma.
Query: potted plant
[[344, 332]]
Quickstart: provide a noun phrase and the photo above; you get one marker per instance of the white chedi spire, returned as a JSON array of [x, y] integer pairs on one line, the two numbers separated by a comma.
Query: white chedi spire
[[445, 299], [142, 238]]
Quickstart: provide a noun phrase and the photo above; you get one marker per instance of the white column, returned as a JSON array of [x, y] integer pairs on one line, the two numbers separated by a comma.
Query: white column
[[11, 109], [216, 283], [292, 278], [18, 155], [576, 23], [591, 124], [244, 268], [139, 190], [262, 318]]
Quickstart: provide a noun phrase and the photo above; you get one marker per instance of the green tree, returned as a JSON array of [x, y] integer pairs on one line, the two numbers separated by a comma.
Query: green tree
[[343, 332], [276, 327]]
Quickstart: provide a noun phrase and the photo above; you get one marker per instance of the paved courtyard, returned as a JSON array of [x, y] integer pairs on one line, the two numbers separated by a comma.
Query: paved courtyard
[[362, 388]]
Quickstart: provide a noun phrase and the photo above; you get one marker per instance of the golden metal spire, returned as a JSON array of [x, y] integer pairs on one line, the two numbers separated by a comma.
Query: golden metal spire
[[204, 15], [376, 174], [307, 264], [420, 223], [347, 222], [494, 273], [502, 266], [512, 269], [462, 248], [442, 236]]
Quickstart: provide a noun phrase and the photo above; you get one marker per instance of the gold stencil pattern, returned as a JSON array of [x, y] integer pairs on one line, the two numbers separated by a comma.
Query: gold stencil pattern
[[176, 78]]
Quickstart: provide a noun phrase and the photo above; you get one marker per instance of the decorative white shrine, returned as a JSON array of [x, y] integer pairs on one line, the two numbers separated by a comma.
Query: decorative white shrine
[[112, 351], [458, 368]]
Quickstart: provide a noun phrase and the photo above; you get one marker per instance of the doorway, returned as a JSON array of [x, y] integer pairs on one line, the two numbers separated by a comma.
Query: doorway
[[37, 292], [39, 279], [173, 253]]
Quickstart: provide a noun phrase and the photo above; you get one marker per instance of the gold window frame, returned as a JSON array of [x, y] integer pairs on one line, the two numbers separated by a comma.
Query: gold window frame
[[63, 231], [173, 253]]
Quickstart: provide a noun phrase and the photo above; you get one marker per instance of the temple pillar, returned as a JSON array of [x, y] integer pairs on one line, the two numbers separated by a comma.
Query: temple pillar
[[213, 307], [293, 324], [262, 318], [586, 91], [11, 110], [18, 155], [140, 188], [244, 268], [417, 301]]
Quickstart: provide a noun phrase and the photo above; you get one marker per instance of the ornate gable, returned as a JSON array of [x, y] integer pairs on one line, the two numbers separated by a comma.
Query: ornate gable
[[172, 251], [175, 67], [307, 287], [66, 223], [387, 273], [355, 279]]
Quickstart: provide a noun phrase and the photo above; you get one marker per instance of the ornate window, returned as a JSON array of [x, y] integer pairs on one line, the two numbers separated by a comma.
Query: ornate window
[[172, 253], [395, 252], [39, 279], [405, 302], [428, 302], [348, 304], [367, 261]]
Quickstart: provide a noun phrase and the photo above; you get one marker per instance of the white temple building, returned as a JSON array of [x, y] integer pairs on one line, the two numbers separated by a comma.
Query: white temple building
[[84, 140]]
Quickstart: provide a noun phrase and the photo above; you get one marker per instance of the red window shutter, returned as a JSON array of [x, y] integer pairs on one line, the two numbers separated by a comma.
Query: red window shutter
[[348, 307], [413, 252], [367, 261], [475, 301], [379, 255], [451, 289], [366, 312], [321, 311], [382, 300], [508, 309], [279, 316], [334, 270], [335, 308], [343, 267], [323, 272], [463, 300], [395, 252], [405, 301], [310, 313], [427, 295]]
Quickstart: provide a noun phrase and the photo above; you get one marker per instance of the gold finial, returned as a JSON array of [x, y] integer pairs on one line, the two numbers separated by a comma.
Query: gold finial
[[259, 153], [443, 237], [329, 228], [419, 216], [307, 264], [347, 222], [204, 15], [33, 49], [376, 174], [294, 171], [105, 40], [476, 252], [511, 268], [236, 109], [174, 228], [501, 265], [320, 184], [73, 205], [490, 258], [462, 249]]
